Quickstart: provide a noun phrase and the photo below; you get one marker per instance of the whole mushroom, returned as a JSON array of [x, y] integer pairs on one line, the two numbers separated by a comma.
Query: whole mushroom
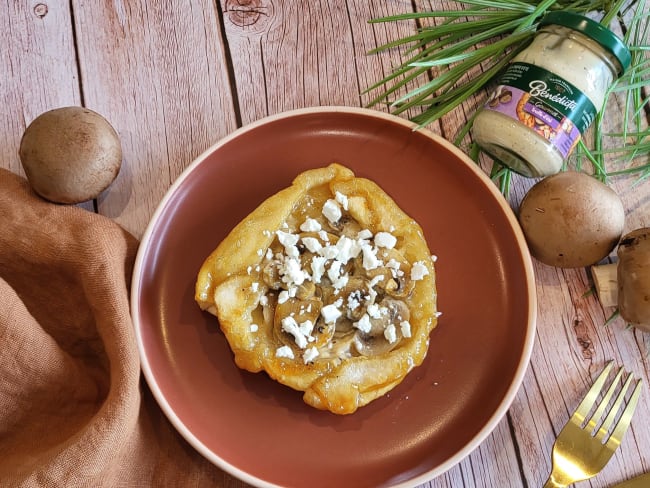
[[633, 277], [70, 154], [571, 220]]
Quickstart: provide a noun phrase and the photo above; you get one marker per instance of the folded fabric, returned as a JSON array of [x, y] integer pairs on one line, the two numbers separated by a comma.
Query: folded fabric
[[74, 410]]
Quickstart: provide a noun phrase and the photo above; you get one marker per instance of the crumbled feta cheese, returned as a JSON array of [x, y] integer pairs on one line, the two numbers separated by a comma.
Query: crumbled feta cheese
[[373, 311], [312, 244], [434, 258], [310, 354], [292, 273], [334, 271], [390, 333], [437, 314], [330, 313], [317, 268], [332, 210], [370, 260], [249, 270], [364, 324], [284, 352], [264, 300], [386, 240], [364, 234], [329, 252], [306, 327], [290, 326], [282, 297], [348, 249], [405, 326], [394, 267], [323, 235], [341, 199], [254, 328], [354, 300], [269, 254], [260, 252], [418, 271], [310, 225], [254, 287]]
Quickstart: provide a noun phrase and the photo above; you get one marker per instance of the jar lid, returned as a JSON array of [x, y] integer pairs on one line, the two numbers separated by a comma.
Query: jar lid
[[599, 33]]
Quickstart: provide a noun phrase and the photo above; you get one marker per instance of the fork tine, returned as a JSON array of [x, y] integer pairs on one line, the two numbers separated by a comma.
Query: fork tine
[[613, 412], [624, 422], [590, 398], [598, 414]]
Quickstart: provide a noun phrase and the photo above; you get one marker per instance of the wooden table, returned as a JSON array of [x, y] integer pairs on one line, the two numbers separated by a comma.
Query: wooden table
[[175, 77]]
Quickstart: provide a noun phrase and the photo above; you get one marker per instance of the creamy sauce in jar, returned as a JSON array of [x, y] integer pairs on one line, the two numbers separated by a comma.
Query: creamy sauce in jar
[[550, 94]]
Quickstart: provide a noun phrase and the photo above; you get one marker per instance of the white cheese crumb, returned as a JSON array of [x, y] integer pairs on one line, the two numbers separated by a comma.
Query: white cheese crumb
[[317, 268], [437, 314], [260, 252], [330, 313], [269, 254], [374, 311], [370, 260], [386, 240], [418, 271], [254, 328], [341, 199], [329, 252], [266, 232], [364, 324], [323, 235], [290, 326], [254, 287], [390, 334], [332, 210], [334, 272], [264, 300], [292, 273], [310, 354], [405, 326], [282, 297], [249, 270], [434, 258], [284, 352], [364, 234], [312, 244], [310, 225]]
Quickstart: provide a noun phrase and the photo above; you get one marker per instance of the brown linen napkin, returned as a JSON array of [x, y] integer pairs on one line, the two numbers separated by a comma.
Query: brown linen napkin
[[73, 410]]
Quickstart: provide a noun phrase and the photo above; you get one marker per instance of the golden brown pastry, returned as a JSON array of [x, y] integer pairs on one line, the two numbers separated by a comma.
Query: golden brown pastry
[[328, 286]]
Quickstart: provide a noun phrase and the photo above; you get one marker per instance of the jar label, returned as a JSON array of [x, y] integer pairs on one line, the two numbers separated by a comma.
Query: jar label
[[544, 102]]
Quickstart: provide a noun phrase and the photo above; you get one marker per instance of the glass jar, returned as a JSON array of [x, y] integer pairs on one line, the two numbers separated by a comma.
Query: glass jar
[[550, 94]]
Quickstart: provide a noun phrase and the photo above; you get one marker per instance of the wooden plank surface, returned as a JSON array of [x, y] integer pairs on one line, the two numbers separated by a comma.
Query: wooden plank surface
[[175, 77]]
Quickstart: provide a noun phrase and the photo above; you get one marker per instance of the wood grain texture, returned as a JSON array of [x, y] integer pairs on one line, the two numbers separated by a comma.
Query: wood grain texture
[[175, 77], [157, 71]]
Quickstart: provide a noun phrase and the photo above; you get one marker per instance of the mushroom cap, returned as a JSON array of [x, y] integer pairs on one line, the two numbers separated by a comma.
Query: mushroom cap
[[70, 154], [571, 220], [633, 276]]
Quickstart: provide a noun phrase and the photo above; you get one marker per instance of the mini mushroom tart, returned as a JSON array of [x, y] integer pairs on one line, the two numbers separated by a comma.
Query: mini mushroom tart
[[328, 287]]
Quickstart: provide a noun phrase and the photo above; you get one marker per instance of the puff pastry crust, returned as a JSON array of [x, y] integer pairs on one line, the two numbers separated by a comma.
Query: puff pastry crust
[[328, 286]]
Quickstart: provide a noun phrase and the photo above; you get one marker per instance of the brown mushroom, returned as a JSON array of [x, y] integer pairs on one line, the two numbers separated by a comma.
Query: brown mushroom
[[70, 154], [571, 220], [633, 276]]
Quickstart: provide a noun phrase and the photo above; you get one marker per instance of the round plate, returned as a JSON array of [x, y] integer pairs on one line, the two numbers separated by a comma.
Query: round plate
[[261, 431]]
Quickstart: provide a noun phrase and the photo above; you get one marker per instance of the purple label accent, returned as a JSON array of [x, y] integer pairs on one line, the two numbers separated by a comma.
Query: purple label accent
[[562, 133]]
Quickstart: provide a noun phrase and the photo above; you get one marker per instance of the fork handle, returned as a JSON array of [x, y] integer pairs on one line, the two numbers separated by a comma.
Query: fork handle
[[551, 483]]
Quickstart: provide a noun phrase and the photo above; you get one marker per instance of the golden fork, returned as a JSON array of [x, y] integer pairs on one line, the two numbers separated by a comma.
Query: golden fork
[[585, 444]]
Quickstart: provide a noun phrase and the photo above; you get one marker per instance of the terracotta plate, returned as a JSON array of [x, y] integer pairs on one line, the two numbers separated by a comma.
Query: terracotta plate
[[261, 431]]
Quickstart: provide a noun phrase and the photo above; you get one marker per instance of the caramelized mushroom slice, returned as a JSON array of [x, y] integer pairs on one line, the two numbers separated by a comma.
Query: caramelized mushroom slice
[[297, 323], [354, 295], [397, 274], [385, 331]]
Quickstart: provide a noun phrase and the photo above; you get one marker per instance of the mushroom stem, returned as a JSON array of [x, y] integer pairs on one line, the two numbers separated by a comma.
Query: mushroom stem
[[606, 283]]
